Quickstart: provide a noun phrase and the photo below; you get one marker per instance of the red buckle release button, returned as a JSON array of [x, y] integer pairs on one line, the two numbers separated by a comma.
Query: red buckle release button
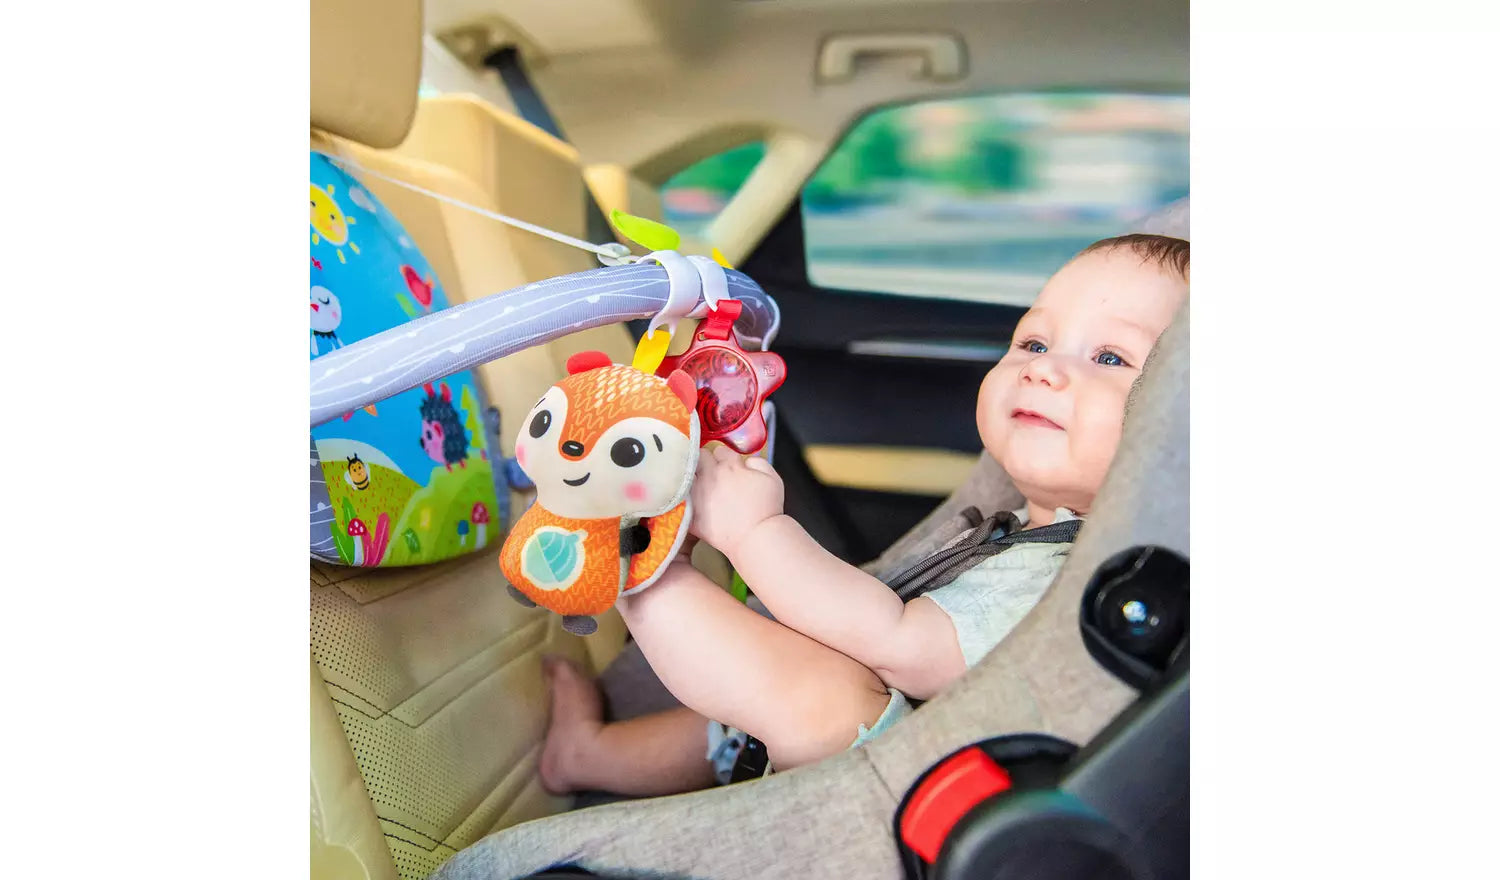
[[943, 798]]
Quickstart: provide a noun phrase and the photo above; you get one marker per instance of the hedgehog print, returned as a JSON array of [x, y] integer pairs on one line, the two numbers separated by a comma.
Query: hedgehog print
[[443, 437]]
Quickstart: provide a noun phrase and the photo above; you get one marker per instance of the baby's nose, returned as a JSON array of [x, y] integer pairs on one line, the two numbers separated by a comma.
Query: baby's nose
[[572, 448], [1044, 369]]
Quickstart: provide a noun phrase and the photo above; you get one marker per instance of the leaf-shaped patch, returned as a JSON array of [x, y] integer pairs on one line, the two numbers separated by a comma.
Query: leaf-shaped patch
[[553, 557], [342, 542], [646, 233]]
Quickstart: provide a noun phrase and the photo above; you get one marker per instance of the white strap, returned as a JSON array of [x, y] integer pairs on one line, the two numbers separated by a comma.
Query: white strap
[[612, 254]]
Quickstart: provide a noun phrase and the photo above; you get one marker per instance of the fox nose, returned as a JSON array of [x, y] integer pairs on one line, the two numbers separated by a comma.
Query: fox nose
[[572, 448]]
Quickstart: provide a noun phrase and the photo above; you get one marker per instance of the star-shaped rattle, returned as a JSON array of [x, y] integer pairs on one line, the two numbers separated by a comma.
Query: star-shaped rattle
[[732, 383]]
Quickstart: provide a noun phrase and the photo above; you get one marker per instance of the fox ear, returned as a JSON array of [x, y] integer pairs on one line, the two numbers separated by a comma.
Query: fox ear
[[587, 360], [682, 386]]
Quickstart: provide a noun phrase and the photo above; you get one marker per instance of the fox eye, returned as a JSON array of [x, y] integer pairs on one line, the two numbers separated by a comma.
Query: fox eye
[[627, 452], [540, 423]]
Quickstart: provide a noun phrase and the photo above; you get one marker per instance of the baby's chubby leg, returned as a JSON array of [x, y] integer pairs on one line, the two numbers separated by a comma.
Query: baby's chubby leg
[[657, 754], [804, 700]]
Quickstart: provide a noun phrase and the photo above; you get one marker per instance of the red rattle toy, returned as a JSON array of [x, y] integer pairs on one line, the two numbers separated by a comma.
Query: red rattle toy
[[732, 383]]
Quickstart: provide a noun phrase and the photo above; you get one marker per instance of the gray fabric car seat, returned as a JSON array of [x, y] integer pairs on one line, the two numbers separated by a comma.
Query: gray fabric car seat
[[833, 818]]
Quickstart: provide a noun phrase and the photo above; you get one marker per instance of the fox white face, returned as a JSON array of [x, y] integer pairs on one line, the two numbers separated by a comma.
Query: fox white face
[[637, 466]]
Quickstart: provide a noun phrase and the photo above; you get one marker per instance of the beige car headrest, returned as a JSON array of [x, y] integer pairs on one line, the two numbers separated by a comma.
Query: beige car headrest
[[366, 68]]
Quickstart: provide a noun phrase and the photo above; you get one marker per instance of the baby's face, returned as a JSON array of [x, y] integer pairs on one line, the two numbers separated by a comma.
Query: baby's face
[[1052, 409]]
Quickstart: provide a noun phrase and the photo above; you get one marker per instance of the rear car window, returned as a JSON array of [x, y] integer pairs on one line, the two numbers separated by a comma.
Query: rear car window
[[693, 197], [983, 198]]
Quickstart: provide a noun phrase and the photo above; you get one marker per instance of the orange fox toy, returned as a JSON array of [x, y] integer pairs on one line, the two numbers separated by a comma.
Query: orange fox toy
[[612, 451]]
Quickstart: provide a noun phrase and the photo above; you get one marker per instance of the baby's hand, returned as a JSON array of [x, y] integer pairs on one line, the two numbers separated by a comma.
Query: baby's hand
[[731, 496]]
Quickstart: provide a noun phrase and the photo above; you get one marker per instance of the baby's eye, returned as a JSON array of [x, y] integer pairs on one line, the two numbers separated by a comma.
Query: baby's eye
[[1032, 345], [1110, 359]]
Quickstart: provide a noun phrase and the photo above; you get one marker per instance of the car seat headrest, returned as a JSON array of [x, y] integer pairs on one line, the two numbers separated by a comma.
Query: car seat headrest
[[366, 67]]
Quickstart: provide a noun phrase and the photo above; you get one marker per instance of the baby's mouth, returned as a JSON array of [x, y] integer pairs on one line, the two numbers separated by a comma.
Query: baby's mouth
[[1028, 417], [578, 482]]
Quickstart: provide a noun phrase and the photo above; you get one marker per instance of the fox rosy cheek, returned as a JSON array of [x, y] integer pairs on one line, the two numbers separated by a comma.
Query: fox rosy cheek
[[635, 491]]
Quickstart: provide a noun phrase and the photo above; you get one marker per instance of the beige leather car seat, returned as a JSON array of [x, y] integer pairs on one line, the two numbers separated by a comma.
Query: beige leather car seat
[[427, 699], [523, 172]]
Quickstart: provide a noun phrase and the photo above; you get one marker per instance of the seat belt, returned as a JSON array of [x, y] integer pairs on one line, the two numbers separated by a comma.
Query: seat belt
[[942, 566], [506, 62]]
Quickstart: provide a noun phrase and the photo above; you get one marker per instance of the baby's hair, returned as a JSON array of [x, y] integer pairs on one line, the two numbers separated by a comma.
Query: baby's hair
[[1163, 250]]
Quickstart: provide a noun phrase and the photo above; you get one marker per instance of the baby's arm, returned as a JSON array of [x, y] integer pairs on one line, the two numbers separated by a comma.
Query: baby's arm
[[913, 647], [726, 662]]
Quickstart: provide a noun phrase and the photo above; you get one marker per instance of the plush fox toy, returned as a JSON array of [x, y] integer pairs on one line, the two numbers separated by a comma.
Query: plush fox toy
[[612, 451]]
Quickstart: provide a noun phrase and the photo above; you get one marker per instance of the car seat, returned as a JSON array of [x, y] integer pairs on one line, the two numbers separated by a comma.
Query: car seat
[[835, 818], [427, 699]]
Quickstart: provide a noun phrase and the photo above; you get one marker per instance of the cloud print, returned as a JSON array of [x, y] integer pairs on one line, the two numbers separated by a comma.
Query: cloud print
[[361, 198]]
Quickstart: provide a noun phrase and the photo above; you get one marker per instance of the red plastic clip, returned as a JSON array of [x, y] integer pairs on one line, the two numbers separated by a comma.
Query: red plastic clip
[[948, 793]]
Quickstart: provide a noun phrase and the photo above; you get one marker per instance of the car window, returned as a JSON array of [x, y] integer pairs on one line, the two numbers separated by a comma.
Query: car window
[[983, 198], [697, 193]]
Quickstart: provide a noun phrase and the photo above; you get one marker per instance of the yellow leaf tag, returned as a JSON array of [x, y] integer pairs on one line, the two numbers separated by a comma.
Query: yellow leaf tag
[[647, 233], [651, 349]]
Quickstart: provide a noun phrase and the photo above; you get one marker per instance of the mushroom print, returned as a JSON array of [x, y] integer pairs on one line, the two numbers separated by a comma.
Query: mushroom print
[[361, 536], [463, 533], [480, 517]]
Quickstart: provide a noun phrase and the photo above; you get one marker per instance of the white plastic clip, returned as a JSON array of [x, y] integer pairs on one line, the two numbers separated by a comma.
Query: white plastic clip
[[685, 286], [713, 280]]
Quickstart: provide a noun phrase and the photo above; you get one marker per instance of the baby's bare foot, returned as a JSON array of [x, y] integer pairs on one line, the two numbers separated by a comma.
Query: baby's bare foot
[[577, 716]]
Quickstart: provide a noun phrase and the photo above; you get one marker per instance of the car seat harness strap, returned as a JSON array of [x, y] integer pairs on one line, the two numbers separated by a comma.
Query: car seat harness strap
[[993, 535]]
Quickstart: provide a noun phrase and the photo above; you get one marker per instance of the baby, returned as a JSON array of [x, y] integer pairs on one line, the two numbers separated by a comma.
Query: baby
[[836, 665]]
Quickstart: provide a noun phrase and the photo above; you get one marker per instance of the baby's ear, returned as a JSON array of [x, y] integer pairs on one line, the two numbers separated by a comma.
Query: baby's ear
[[587, 360], [682, 386]]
